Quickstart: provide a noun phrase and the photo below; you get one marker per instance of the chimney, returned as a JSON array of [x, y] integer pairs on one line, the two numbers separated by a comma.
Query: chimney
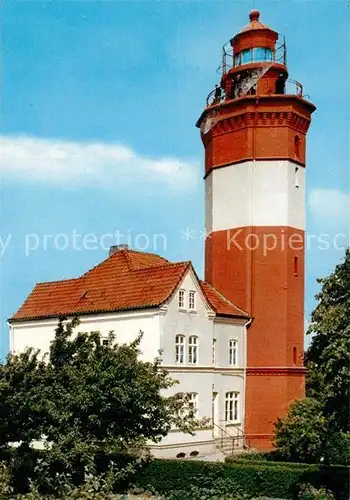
[[116, 248]]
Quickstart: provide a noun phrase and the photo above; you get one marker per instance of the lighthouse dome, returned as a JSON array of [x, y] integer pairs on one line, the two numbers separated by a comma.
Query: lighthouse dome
[[254, 23]]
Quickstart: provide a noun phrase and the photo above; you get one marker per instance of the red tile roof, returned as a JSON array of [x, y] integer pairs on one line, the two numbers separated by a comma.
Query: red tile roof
[[221, 305], [127, 280]]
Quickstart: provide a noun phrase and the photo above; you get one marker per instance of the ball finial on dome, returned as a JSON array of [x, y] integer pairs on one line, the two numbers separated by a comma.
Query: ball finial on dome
[[254, 15]]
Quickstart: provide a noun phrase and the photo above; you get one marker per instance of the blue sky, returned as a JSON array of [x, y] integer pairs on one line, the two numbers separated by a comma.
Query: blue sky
[[99, 105]]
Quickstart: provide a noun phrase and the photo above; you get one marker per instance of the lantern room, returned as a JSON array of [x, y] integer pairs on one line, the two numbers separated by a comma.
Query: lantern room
[[255, 43], [254, 62]]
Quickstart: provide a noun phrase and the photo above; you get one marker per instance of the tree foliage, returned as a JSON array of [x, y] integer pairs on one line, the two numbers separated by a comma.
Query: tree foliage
[[22, 414], [327, 359], [85, 396], [316, 427], [299, 436]]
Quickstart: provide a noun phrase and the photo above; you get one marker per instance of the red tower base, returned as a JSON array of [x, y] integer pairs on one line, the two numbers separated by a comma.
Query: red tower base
[[270, 286], [269, 392]]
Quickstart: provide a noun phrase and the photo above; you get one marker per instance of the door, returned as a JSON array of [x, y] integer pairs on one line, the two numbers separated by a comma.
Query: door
[[215, 414]]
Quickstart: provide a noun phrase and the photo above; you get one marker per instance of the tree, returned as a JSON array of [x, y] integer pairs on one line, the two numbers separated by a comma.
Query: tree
[[21, 385], [317, 426], [327, 359], [87, 396], [106, 394], [300, 435]]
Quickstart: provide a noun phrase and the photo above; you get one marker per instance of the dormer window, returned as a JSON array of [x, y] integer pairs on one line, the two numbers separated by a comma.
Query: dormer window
[[192, 300], [181, 299]]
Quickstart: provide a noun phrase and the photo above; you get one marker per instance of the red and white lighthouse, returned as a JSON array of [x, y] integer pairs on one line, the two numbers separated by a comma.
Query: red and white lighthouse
[[254, 134]]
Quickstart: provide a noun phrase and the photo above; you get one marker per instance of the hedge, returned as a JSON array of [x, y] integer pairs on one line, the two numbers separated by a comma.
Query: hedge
[[253, 479], [240, 459]]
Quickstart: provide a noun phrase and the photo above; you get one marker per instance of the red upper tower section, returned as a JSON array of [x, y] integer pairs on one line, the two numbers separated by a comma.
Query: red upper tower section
[[255, 75]]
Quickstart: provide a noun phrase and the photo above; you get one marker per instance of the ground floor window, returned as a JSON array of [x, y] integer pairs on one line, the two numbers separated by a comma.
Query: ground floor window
[[231, 406], [193, 403]]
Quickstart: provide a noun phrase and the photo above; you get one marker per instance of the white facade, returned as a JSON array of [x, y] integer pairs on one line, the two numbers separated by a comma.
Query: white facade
[[255, 193], [215, 371]]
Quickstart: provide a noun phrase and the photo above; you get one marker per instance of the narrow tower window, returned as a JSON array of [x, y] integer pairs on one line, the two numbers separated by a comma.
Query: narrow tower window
[[296, 266], [295, 355], [297, 146], [296, 177]]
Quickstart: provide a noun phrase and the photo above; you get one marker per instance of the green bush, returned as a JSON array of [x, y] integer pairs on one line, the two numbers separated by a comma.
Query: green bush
[[240, 459], [338, 449], [309, 492], [267, 456], [252, 479], [237, 479]]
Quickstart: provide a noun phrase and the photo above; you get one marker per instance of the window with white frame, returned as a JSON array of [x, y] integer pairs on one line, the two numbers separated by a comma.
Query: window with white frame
[[192, 300], [193, 403], [193, 350], [232, 352], [180, 349], [232, 406], [181, 299]]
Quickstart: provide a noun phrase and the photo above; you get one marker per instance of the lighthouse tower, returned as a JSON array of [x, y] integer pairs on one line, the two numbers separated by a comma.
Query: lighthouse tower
[[254, 133]]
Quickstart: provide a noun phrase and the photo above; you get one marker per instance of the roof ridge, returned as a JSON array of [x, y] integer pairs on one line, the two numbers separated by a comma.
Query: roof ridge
[[141, 252], [124, 251], [224, 298], [162, 266]]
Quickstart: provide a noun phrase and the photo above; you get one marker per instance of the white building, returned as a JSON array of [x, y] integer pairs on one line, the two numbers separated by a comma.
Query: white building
[[202, 335]]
